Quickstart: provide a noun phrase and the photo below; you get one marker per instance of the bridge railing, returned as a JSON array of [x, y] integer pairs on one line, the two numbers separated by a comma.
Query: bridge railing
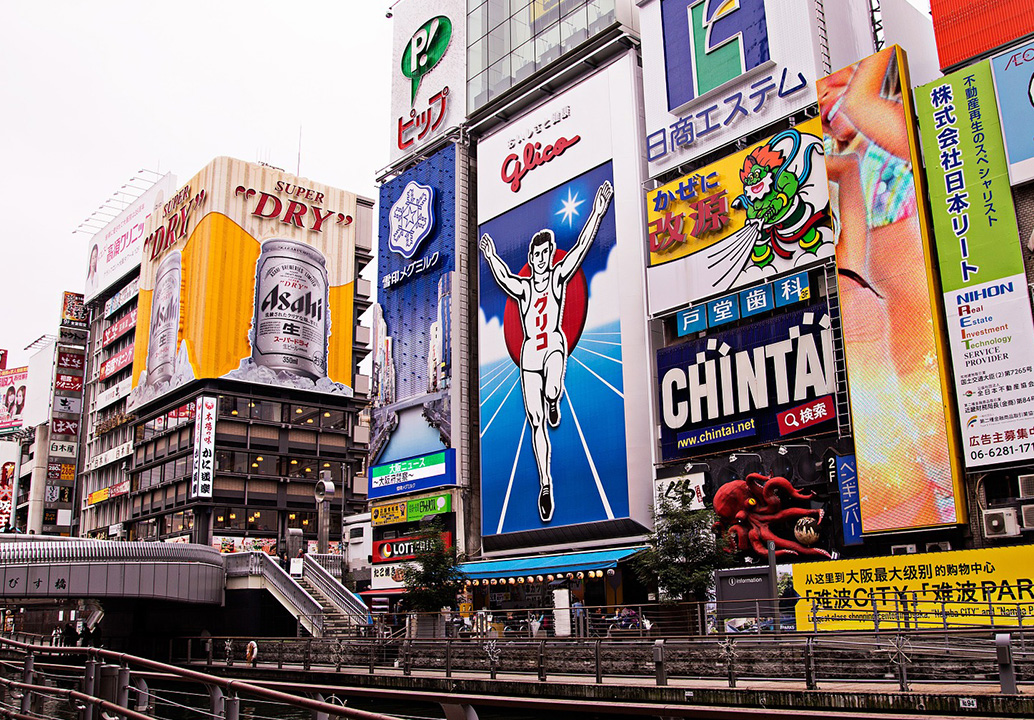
[[260, 564], [99, 551], [339, 596]]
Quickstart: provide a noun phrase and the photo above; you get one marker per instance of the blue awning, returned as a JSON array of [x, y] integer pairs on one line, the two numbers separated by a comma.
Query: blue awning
[[539, 564]]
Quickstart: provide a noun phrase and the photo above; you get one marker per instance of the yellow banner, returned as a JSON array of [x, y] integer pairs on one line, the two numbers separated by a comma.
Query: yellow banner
[[917, 591], [389, 514]]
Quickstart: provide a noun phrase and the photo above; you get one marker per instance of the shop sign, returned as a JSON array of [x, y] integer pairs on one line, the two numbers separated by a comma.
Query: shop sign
[[386, 577], [414, 474], [119, 328], [405, 548], [204, 447], [411, 510]]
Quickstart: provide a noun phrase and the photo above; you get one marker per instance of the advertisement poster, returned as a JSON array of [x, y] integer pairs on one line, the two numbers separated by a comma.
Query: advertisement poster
[[73, 311], [986, 300], [412, 320], [410, 510], [115, 250], [716, 71], [6, 492], [550, 359], [907, 465], [13, 383], [428, 72], [248, 273], [919, 591], [413, 474], [759, 383], [755, 214], [1014, 85]]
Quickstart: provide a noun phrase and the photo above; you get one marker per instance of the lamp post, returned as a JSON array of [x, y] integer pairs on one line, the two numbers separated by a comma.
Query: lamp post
[[324, 492]]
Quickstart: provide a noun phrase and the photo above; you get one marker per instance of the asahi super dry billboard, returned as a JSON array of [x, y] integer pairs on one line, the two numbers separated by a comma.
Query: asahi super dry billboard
[[248, 273]]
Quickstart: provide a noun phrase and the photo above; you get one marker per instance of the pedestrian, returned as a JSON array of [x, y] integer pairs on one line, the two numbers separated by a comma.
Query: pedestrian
[[252, 653]]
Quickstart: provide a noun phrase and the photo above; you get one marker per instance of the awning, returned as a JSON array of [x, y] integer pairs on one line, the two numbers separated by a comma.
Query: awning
[[385, 592], [553, 564]]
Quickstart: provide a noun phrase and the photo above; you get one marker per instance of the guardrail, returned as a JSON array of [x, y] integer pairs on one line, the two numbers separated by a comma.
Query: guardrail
[[338, 595], [13, 552], [260, 564]]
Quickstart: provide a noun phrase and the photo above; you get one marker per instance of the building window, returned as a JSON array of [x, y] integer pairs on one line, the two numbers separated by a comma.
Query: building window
[[266, 411], [230, 518], [333, 420], [304, 415]]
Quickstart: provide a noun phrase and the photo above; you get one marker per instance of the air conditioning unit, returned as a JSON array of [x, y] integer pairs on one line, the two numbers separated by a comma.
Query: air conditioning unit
[[903, 549], [1027, 515], [1026, 487], [1001, 522], [939, 546]]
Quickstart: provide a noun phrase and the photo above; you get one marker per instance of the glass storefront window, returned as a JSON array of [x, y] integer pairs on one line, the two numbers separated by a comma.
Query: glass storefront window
[[263, 464], [261, 521], [231, 462], [333, 419], [233, 407], [304, 415], [229, 518], [302, 468], [305, 521], [266, 410]]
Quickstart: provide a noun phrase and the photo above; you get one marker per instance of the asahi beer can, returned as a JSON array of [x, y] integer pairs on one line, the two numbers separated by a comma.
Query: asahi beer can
[[291, 328], [165, 319]]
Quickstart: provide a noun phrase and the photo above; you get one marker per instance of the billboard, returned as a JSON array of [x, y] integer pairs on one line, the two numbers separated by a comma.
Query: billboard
[[757, 213], [429, 72], [6, 492], [966, 29], [560, 312], [248, 273], [1014, 85], [413, 474], [763, 382], [907, 465], [981, 587], [73, 311], [404, 548], [716, 71], [412, 325], [990, 330], [13, 384], [115, 250], [412, 510]]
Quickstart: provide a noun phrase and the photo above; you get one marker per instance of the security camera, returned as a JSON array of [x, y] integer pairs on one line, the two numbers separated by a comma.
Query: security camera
[[388, 14]]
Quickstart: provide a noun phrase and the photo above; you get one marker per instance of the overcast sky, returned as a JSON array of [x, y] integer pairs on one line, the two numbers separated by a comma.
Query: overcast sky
[[94, 91]]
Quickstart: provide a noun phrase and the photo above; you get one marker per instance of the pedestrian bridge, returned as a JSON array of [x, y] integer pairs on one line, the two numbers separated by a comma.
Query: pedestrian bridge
[[55, 568]]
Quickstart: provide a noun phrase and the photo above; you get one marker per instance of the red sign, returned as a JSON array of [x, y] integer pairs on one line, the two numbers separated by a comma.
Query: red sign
[[403, 548], [71, 361], [64, 427], [123, 358], [810, 413], [965, 29], [73, 312], [535, 156], [74, 383], [119, 328], [120, 489]]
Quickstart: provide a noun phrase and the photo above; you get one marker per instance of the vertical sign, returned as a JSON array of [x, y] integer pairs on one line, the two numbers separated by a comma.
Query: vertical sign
[[202, 477], [908, 469], [990, 330]]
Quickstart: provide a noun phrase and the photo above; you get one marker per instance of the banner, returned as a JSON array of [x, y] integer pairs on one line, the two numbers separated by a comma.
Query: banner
[[986, 301], [13, 384], [755, 384], [248, 273], [410, 510], [412, 320], [989, 586], [908, 470], [412, 475], [202, 477]]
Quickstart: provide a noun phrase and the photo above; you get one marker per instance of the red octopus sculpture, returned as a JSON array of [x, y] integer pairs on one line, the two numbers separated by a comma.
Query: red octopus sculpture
[[747, 509]]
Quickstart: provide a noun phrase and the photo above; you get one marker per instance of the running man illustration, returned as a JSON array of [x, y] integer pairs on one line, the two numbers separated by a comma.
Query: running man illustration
[[544, 351]]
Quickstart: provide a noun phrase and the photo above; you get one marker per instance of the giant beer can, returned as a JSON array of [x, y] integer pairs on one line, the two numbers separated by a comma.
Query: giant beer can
[[291, 328], [165, 319]]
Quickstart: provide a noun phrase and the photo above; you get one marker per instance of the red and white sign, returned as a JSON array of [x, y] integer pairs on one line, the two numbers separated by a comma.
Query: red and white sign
[[60, 471], [119, 328], [810, 413], [404, 548], [203, 474], [119, 489], [72, 383], [71, 361], [68, 428], [122, 359]]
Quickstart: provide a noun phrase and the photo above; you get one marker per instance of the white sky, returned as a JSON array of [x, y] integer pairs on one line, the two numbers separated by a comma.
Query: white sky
[[93, 91]]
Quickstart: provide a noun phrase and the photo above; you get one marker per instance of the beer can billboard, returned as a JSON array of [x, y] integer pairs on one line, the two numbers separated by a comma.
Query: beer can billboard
[[248, 273], [908, 467]]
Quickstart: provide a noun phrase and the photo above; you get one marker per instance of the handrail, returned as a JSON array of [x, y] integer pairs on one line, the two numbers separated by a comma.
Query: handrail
[[256, 563], [99, 551], [230, 686], [338, 595], [334, 564]]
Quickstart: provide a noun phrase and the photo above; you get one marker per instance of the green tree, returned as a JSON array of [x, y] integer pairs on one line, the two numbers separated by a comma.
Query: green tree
[[683, 553], [434, 578]]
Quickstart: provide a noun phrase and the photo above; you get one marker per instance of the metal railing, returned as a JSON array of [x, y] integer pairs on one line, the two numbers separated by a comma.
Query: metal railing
[[343, 600], [252, 564], [111, 684], [333, 564], [99, 551]]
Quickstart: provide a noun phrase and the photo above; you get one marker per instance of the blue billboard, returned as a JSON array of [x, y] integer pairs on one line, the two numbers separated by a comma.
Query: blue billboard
[[410, 475], [412, 320], [749, 385], [551, 392]]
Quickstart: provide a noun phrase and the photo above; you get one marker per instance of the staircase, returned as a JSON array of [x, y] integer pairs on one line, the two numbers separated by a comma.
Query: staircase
[[335, 622]]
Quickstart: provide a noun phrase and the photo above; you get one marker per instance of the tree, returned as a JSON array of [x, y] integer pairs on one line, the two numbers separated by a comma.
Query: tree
[[683, 553], [433, 579]]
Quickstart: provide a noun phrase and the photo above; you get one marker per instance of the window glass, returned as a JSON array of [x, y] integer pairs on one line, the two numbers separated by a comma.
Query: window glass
[[263, 464], [229, 518], [302, 468], [304, 415], [266, 410], [302, 520], [261, 521], [333, 419]]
